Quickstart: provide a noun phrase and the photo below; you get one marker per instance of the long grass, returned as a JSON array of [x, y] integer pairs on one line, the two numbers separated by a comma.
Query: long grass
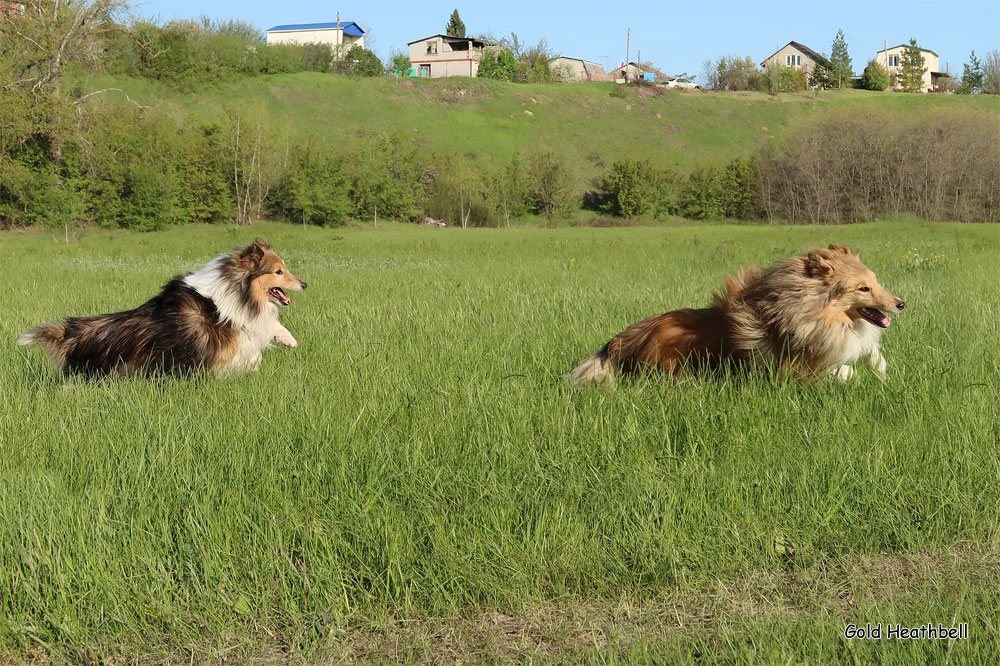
[[416, 483]]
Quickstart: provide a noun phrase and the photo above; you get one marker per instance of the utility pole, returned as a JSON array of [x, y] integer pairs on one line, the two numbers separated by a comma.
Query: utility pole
[[628, 43], [340, 36]]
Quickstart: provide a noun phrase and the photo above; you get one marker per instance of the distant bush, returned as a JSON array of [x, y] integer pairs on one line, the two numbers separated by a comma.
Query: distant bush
[[497, 63], [731, 73], [875, 77], [854, 165], [550, 191], [390, 174], [358, 61], [313, 190], [635, 187]]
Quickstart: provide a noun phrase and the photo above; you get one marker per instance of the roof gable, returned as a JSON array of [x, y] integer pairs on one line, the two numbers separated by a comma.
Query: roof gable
[[903, 46]]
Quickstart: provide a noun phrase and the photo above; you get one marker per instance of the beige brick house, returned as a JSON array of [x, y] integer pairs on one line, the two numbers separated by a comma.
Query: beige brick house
[[446, 55], [795, 55], [892, 60]]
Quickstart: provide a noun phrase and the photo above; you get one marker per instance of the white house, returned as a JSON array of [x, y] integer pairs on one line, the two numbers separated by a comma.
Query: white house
[[892, 60], [340, 35]]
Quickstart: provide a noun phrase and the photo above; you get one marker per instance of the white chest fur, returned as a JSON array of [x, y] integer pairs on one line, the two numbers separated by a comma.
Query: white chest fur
[[256, 333]]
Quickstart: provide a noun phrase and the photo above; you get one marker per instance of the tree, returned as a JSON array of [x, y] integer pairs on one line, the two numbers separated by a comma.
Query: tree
[[455, 27], [823, 74], [37, 44], [840, 61], [875, 77], [991, 73], [251, 154], [510, 188], [912, 68], [551, 184], [972, 76], [498, 63], [358, 61], [401, 64]]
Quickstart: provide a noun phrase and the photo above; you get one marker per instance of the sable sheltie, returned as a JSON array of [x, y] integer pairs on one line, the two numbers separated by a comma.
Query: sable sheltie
[[811, 314], [219, 318]]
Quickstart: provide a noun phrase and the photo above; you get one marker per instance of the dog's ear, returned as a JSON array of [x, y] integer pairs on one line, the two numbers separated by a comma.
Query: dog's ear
[[252, 254], [842, 249], [818, 263]]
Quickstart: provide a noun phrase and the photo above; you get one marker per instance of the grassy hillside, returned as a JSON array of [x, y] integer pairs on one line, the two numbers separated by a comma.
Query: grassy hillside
[[590, 123], [415, 484]]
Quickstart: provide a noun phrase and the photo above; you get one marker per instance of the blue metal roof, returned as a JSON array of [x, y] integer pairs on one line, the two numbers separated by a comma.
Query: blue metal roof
[[349, 27]]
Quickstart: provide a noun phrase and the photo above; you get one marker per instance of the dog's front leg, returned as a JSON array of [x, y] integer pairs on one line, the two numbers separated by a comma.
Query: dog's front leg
[[878, 363], [282, 335]]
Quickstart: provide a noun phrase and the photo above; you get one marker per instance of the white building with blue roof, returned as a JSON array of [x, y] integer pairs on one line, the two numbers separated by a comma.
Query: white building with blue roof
[[340, 35]]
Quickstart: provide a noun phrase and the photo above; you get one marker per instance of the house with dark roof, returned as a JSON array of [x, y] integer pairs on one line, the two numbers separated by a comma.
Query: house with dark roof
[[446, 55], [340, 35], [796, 55]]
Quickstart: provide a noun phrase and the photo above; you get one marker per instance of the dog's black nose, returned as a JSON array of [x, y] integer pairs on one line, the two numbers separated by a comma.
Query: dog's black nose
[[900, 305], [304, 285]]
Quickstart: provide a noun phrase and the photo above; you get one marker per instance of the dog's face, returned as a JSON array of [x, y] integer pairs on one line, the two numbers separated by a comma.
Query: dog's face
[[265, 275], [854, 288]]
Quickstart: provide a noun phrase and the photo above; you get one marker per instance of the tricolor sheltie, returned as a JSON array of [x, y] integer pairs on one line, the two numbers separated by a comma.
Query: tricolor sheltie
[[219, 318], [811, 314]]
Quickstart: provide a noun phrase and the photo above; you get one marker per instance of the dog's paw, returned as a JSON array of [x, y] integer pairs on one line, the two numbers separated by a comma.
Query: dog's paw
[[843, 373], [285, 338]]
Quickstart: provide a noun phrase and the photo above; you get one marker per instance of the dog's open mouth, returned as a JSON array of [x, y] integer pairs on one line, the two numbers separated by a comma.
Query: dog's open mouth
[[876, 317], [278, 295]]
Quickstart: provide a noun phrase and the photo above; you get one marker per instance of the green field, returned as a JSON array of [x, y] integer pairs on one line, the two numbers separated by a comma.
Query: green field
[[415, 483], [590, 124]]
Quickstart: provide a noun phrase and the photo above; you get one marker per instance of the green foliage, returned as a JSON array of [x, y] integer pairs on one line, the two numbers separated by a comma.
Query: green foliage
[[635, 187], [704, 195], [134, 177], [497, 62], [912, 67], [455, 26], [551, 190], [972, 76], [314, 190], [731, 73], [510, 188], [875, 76], [741, 184], [358, 61], [401, 64], [841, 70], [822, 74], [729, 192], [391, 174]]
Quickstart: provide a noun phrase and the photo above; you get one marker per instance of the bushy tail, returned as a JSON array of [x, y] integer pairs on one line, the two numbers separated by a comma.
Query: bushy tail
[[595, 369], [50, 337]]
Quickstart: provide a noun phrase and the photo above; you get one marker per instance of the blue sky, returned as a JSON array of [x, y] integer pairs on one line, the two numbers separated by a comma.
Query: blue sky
[[676, 36]]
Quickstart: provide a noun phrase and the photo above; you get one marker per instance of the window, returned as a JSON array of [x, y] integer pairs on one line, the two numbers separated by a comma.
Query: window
[[425, 70], [432, 48], [894, 60], [793, 60]]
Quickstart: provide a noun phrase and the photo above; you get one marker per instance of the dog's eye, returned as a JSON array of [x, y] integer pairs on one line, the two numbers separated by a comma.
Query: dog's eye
[[864, 288], [281, 272]]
